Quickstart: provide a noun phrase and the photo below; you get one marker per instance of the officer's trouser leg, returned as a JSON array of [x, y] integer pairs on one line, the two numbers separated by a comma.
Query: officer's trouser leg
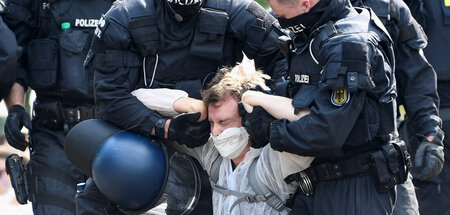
[[349, 196], [406, 203], [53, 179], [91, 202]]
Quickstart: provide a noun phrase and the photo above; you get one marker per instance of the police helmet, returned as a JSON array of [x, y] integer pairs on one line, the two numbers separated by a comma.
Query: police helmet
[[129, 169]]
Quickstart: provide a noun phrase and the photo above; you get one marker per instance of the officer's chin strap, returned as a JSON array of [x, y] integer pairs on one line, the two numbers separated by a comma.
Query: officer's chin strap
[[145, 73]]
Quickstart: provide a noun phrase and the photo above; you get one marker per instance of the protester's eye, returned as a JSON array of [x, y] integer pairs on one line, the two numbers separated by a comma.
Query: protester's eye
[[225, 122]]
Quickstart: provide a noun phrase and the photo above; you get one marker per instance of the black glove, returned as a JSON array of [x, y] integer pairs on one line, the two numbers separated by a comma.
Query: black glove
[[257, 123], [17, 118], [429, 158], [186, 130]]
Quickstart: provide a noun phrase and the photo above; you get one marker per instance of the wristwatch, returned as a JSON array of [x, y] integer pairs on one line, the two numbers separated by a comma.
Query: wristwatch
[[159, 127]]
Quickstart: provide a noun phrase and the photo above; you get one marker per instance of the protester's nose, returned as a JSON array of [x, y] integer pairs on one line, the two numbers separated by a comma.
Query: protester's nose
[[216, 130]]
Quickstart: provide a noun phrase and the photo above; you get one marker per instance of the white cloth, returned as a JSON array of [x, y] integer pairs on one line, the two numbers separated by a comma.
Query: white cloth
[[160, 99], [272, 167], [231, 142]]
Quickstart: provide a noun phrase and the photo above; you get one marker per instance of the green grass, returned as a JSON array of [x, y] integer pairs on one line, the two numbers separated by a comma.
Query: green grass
[[263, 3]]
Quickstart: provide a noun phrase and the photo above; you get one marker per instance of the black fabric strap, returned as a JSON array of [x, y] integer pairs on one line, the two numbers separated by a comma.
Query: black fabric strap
[[159, 128], [357, 165], [142, 21], [55, 201], [55, 174]]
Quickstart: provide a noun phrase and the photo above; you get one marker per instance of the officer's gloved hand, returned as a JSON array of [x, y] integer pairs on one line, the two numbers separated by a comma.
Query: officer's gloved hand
[[186, 130], [17, 118], [257, 124], [429, 158]]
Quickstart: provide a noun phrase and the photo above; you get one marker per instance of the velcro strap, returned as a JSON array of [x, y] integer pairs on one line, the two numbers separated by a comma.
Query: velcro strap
[[142, 22], [115, 58], [330, 30], [269, 198], [55, 201], [145, 34], [55, 174]]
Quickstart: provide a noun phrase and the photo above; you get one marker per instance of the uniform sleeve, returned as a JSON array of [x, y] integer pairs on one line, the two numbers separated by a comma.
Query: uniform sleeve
[[323, 131], [117, 68], [416, 78], [335, 109], [8, 59], [254, 28], [22, 21]]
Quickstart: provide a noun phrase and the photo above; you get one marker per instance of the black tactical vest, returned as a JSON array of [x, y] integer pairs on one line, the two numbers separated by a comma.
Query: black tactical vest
[[181, 63], [55, 58], [307, 75]]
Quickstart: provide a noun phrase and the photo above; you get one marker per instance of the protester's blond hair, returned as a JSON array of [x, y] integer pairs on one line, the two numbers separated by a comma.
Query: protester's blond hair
[[234, 82]]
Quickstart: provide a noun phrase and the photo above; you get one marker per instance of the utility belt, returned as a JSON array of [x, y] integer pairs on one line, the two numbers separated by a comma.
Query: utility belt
[[388, 166], [60, 116]]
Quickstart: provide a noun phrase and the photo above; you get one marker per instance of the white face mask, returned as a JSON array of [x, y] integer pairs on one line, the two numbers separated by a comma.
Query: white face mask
[[231, 142]]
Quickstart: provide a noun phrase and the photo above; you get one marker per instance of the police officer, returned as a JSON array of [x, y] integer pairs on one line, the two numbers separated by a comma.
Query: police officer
[[55, 36], [341, 67], [434, 16], [416, 85], [172, 44], [9, 90]]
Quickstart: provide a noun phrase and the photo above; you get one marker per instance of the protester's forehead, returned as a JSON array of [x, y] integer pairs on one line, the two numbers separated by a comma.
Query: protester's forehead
[[223, 107]]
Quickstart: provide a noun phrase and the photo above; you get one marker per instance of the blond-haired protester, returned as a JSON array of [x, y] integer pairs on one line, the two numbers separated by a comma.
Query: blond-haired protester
[[245, 179]]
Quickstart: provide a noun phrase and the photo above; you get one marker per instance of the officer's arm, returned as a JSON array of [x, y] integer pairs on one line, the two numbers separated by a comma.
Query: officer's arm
[[19, 17], [117, 70], [334, 109], [253, 26], [8, 57], [415, 76], [16, 96]]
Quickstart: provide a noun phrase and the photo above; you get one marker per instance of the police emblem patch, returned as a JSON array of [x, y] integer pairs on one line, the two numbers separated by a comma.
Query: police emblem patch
[[340, 97]]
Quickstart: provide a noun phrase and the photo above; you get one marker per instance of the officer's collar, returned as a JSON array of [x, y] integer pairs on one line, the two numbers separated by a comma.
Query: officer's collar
[[168, 24]]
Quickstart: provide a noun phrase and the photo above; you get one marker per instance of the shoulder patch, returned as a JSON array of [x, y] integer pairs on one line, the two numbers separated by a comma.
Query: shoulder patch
[[101, 27], [340, 97]]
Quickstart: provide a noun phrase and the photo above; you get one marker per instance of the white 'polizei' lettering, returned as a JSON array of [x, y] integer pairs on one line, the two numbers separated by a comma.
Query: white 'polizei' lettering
[[86, 23], [301, 79], [185, 2], [296, 28], [45, 5]]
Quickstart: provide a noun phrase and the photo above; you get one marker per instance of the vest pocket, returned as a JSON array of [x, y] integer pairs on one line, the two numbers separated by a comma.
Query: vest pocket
[[76, 80], [210, 35], [42, 61]]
